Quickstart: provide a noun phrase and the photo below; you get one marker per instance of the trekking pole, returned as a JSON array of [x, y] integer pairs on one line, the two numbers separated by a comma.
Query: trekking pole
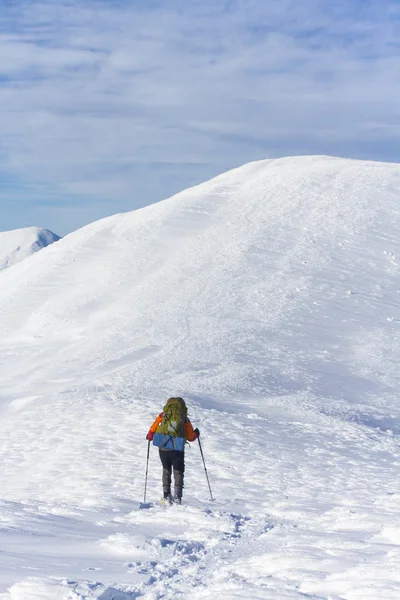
[[147, 470], [205, 468]]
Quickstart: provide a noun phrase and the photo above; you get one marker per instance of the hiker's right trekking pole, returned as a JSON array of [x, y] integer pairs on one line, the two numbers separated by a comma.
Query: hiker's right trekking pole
[[147, 470], [205, 468]]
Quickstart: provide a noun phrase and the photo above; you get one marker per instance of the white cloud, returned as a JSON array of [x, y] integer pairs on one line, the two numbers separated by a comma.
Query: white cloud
[[132, 102]]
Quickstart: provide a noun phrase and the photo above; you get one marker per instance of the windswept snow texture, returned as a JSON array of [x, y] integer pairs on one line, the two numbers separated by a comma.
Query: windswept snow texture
[[18, 244], [268, 298]]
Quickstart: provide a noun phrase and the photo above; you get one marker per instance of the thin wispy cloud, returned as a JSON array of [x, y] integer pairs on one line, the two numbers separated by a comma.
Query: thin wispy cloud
[[123, 103]]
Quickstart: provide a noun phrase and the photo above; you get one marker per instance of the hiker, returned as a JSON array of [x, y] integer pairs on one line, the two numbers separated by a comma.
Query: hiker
[[169, 432]]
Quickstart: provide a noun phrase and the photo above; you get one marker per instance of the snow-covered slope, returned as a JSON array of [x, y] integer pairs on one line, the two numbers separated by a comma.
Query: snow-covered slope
[[268, 297], [18, 244]]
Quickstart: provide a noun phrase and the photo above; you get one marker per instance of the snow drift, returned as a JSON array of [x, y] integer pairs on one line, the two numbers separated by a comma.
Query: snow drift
[[18, 244]]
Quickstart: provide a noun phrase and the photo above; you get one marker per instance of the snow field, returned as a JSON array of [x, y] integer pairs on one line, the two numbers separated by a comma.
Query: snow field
[[268, 299], [288, 521]]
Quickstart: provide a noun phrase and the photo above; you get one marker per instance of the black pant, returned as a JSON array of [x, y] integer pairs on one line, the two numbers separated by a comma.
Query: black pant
[[172, 459]]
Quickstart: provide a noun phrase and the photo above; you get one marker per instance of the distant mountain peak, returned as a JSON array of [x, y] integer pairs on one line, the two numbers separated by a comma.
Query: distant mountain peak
[[18, 244]]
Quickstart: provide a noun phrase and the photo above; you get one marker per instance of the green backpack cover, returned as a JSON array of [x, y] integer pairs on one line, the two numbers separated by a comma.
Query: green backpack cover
[[174, 417]]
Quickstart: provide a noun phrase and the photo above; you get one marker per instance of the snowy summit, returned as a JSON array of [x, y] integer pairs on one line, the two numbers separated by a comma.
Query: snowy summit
[[268, 298], [18, 244]]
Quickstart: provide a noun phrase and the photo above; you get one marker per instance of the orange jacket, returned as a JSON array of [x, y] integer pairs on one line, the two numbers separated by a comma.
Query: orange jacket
[[190, 434]]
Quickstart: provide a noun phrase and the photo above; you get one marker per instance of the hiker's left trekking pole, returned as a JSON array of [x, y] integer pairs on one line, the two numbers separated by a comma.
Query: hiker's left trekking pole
[[147, 470], [205, 468]]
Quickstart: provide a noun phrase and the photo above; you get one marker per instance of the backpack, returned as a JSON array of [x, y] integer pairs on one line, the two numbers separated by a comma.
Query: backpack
[[170, 433]]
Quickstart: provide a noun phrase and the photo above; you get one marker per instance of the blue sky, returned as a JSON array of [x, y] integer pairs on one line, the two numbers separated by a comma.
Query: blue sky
[[109, 106]]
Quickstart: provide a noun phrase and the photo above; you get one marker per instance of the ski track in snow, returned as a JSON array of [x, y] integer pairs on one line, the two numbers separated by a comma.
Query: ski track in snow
[[270, 303]]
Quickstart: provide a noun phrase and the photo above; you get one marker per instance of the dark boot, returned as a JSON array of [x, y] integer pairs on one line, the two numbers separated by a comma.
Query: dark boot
[[167, 499], [178, 495]]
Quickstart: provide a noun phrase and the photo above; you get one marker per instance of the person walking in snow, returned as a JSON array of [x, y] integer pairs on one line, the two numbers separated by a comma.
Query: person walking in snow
[[170, 431]]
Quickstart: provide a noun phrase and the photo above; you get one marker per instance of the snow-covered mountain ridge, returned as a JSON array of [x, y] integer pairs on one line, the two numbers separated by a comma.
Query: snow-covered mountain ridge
[[219, 275], [18, 244], [268, 297]]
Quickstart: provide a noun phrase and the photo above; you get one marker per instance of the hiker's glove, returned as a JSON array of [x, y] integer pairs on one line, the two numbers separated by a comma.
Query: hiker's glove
[[150, 436], [197, 432]]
